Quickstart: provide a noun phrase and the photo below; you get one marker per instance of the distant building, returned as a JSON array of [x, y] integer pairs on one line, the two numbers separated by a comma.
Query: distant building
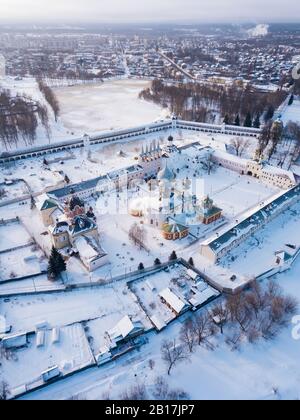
[[261, 170], [2, 67]]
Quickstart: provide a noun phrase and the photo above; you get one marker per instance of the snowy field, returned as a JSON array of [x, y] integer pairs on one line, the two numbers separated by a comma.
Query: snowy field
[[16, 190], [292, 112], [257, 254], [13, 235], [21, 262], [251, 373], [71, 353], [110, 105], [89, 108], [78, 166], [65, 308]]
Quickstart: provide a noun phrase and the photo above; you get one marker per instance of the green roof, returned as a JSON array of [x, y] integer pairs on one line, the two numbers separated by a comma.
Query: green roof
[[173, 228], [211, 212], [48, 204]]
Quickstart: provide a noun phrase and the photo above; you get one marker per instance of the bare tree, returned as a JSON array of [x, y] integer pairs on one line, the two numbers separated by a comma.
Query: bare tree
[[220, 315], [137, 235], [203, 328], [161, 388], [239, 311], [172, 353], [137, 392], [240, 145], [208, 164], [187, 335], [162, 391], [4, 391]]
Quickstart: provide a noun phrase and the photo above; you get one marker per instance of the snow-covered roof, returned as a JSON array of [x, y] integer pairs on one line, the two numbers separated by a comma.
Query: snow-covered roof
[[44, 202], [200, 298], [176, 303], [165, 174], [125, 328], [87, 251]]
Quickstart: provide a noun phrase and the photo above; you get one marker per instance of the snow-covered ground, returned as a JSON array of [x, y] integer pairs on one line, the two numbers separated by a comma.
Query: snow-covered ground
[[13, 235], [254, 372], [257, 254], [251, 373], [71, 353], [64, 308], [21, 262], [292, 112], [89, 108], [109, 105]]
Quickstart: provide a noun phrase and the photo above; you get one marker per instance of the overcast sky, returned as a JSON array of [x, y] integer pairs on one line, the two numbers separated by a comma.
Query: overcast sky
[[149, 10]]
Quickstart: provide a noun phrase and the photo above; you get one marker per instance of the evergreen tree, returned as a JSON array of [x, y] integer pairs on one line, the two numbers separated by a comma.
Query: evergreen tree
[[291, 100], [237, 121], [191, 262], [226, 119], [256, 123], [32, 202], [141, 267], [248, 120], [56, 264], [173, 256], [269, 114], [157, 262]]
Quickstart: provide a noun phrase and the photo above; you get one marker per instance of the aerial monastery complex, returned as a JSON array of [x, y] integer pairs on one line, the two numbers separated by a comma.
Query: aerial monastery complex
[[148, 222]]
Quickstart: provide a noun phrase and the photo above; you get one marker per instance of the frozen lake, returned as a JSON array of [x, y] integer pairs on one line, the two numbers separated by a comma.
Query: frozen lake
[[110, 105]]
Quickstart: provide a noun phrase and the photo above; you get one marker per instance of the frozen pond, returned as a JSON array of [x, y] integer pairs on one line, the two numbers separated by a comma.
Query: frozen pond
[[110, 105]]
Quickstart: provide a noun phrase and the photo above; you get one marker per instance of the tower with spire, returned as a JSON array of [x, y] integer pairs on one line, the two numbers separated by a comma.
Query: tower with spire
[[150, 159]]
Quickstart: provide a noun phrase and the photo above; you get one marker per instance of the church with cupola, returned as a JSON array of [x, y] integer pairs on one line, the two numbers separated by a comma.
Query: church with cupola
[[73, 229]]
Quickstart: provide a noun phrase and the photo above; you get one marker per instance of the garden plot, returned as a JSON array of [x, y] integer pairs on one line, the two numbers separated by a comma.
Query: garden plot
[[176, 278], [64, 308], [35, 174], [13, 235], [22, 262], [13, 191], [25, 366]]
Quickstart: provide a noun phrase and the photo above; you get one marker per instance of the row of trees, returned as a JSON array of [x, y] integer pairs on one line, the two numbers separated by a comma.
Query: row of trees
[[274, 134], [19, 119], [50, 97], [249, 316], [160, 391], [203, 102]]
